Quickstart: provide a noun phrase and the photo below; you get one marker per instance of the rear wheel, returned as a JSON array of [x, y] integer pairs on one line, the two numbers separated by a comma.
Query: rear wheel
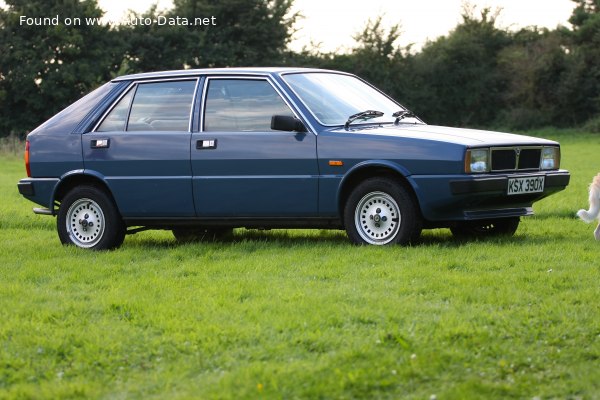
[[486, 228], [88, 218], [381, 211]]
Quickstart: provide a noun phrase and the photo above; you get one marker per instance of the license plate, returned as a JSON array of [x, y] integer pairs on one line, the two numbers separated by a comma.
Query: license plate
[[531, 184]]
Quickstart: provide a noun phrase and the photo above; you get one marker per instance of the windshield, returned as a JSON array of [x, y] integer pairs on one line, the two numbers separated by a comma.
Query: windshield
[[332, 98]]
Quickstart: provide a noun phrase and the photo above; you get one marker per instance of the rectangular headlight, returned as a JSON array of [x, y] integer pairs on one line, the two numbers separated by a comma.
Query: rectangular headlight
[[550, 158], [477, 161]]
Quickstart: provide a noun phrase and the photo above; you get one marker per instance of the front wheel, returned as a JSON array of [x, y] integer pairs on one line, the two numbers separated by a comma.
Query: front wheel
[[381, 211], [88, 218]]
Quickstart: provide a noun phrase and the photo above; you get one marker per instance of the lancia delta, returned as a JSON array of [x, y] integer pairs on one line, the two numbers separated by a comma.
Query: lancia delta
[[201, 152]]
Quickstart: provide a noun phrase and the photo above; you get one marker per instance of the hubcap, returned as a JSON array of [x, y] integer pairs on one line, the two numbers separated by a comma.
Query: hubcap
[[85, 223], [377, 218]]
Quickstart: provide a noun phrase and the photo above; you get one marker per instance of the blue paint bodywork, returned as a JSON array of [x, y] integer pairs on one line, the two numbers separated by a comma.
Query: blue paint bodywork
[[265, 179]]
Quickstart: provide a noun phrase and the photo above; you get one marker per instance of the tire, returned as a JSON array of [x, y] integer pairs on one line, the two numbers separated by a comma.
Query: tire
[[486, 228], [88, 218], [381, 211], [190, 235]]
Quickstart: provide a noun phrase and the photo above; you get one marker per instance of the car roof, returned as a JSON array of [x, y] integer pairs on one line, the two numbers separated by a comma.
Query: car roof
[[218, 71]]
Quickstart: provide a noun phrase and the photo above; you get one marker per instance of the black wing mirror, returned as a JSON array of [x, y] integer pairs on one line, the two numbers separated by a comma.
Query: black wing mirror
[[287, 123]]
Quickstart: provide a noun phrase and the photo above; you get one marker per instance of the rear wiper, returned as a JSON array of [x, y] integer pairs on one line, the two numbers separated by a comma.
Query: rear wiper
[[363, 116], [400, 115]]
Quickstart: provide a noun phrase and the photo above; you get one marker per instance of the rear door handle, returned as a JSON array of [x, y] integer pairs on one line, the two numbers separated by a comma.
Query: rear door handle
[[100, 143], [206, 144]]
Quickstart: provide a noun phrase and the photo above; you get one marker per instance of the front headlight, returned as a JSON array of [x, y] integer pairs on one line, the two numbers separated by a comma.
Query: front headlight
[[550, 158], [477, 161]]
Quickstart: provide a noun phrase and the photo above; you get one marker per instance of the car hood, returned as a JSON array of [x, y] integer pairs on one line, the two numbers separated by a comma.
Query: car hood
[[462, 136]]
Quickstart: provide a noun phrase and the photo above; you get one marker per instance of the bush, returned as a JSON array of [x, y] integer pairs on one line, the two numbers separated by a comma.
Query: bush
[[522, 118], [11, 145], [592, 125]]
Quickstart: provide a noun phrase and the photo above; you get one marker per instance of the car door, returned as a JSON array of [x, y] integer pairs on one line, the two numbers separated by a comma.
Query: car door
[[243, 168], [141, 149]]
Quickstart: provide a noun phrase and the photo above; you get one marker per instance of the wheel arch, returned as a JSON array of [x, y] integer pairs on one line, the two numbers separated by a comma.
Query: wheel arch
[[371, 169], [78, 178]]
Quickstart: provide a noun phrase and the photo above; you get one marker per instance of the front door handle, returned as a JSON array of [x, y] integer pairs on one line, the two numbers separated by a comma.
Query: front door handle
[[100, 143], [206, 144]]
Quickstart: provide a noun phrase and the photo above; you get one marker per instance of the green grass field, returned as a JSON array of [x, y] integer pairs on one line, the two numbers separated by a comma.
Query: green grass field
[[304, 314]]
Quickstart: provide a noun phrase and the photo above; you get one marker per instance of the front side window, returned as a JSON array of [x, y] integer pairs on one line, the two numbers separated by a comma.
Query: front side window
[[234, 105], [154, 106]]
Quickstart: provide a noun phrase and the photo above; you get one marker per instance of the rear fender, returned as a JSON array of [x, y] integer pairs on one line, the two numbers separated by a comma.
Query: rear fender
[[76, 178]]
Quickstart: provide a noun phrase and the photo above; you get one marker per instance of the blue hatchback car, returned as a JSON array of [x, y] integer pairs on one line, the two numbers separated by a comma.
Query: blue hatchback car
[[201, 152]]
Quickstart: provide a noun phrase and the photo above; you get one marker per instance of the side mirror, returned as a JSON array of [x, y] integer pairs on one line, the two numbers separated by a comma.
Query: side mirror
[[287, 123]]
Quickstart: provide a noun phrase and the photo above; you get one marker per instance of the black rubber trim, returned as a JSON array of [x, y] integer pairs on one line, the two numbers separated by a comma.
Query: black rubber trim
[[478, 185], [26, 188], [494, 184]]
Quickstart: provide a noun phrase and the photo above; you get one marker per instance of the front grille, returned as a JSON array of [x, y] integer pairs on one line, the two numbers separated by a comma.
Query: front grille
[[530, 158], [516, 158], [503, 159]]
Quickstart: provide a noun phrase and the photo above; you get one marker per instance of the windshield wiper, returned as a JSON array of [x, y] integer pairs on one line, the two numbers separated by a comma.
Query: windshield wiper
[[363, 116], [400, 115]]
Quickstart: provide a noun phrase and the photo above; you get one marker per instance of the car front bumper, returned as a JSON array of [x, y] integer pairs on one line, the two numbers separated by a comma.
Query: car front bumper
[[472, 197], [554, 181]]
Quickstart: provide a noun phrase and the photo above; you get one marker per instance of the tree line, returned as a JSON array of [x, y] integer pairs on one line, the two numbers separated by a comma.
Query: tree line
[[478, 75]]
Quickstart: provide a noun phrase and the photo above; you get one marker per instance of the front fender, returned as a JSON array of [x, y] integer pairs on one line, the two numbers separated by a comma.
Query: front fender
[[376, 164], [367, 169]]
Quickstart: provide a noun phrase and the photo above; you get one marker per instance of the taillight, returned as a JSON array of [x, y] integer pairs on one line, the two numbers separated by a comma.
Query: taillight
[[27, 167]]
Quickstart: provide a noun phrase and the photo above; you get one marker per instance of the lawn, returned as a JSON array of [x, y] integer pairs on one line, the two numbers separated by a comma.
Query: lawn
[[304, 314]]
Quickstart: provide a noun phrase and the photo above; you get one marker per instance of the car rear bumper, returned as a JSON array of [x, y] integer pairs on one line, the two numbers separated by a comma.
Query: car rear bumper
[[26, 188], [38, 190]]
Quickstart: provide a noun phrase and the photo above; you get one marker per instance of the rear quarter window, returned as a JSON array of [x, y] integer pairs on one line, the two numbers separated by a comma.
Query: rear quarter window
[[68, 119]]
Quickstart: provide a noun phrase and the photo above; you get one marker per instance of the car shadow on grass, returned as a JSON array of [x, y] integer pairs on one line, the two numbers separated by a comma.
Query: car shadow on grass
[[443, 238], [284, 239], [275, 238]]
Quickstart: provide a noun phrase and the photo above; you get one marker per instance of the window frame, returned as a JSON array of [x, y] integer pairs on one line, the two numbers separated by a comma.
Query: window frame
[[134, 86], [266, 78]]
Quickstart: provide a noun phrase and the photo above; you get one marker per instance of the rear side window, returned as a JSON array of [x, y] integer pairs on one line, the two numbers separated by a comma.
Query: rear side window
[[155, 106], [116, 119], [235, 105]]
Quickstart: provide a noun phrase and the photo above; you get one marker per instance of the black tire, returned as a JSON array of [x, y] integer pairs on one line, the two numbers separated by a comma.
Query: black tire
[[381, 211], [486, 228], [190, 235], [88, 218]]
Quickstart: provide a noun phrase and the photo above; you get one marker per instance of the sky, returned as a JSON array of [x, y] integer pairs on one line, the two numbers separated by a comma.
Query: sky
[[332, 23]]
